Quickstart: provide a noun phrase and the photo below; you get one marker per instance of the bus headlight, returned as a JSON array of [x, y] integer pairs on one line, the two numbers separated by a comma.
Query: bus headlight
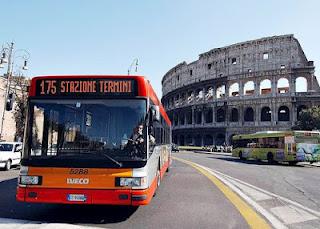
[[30, 180], [134, 182]]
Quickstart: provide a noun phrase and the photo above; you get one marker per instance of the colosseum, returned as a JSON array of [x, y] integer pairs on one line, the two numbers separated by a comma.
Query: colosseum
[[246, 87]]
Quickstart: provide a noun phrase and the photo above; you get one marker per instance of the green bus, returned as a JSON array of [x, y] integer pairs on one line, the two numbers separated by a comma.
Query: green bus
[[280, 146]]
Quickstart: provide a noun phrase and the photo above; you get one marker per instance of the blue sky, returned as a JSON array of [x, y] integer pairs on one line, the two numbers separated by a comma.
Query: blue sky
[[105, 36]]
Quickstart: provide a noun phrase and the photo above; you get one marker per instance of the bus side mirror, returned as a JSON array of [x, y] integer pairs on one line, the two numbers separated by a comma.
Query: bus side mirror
[[155, 113]]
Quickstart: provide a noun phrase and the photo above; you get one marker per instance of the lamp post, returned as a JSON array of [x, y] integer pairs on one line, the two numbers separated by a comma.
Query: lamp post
[[134, 62], [8, 56]]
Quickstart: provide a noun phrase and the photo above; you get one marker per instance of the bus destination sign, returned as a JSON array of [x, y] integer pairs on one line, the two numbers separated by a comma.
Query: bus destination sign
[[84, 87]]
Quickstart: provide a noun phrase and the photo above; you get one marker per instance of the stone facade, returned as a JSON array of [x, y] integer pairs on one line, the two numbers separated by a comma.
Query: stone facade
[[246, 87], [9, 124]]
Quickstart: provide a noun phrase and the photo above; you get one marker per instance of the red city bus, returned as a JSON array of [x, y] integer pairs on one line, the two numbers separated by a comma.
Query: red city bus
[[93, 140]]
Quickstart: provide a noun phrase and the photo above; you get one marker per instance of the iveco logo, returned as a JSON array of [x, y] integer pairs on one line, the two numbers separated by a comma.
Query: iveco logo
[[77, 180]]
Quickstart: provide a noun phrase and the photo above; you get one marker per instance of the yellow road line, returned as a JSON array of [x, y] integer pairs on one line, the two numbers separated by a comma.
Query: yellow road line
[[253, 219]]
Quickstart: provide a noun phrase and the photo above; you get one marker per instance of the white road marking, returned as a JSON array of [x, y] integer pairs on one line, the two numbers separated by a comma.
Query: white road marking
[[290, 214], [6, 223], [258, 196], [317, 213], [273, 220]]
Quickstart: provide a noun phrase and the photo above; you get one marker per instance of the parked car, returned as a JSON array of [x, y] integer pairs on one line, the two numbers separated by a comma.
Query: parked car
[[174, 148], [10, 154]]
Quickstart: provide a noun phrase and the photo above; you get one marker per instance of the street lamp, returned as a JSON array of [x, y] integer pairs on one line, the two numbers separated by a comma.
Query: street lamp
[[8, 57], [134, 62]]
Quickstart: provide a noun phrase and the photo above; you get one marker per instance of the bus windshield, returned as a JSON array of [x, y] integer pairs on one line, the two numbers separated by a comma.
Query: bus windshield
[[87, 128]]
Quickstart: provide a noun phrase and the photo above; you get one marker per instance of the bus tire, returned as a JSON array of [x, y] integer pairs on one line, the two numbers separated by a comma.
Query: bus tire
[[169, 164], [8, 165], [158, 177], [270, 158], [293, 162], [168, 169]]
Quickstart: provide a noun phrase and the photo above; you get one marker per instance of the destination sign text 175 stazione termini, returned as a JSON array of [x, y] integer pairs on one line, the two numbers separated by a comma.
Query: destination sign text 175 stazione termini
[[78, 87]]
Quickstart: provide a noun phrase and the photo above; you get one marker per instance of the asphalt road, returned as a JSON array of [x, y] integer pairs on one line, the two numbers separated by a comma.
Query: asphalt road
[[288, 196], [185, 199], [300, 183], [285, 196]]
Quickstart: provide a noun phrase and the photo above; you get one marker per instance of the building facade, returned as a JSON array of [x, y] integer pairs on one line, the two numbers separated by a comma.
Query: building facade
[[246, 87], [9, 124]]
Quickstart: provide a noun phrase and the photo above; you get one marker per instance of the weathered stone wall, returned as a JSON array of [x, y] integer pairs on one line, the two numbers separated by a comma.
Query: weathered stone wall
[[9, 124], [259, 79]]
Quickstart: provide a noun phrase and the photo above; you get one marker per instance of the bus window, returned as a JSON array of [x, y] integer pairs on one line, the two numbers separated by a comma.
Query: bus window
[[37, 130], [281, 143]]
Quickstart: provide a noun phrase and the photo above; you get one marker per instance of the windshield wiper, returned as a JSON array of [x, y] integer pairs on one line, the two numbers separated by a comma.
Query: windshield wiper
[[111, 159], [87, 153]]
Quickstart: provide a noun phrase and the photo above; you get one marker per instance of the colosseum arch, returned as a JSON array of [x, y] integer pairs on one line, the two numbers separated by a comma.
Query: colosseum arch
[[175, 119], [265, 87], [188, 140], [183, 97], [249, 88], [265, 114], [283, 86], [175, 139], [301, 84], [249, 114], [198, 140], [181, 118], [177, 100], [182, 140], [283, 113], [208, 140], [221, 91], [234, 117], [209, 92], [299, 109], [199, 94], [234, 90], [189, 117], [190, 96], [220, 139], [221, 115], [208, 115], [198, 116]]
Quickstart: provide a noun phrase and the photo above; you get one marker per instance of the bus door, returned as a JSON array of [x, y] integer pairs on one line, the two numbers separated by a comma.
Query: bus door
[[289, 145]]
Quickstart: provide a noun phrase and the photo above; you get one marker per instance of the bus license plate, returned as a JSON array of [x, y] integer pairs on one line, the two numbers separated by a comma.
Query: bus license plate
[[77, 197]]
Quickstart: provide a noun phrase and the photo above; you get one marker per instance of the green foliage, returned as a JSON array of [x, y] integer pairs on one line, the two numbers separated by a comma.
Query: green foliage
[[309, 119]]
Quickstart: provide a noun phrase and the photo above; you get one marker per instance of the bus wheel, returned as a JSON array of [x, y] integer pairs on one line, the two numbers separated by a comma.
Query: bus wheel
[[8, 165], [293, 162], [168, 169], [158, 181], [270, 158]]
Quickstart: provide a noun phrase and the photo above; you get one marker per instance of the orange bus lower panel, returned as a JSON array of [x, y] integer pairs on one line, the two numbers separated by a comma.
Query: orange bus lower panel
[[89, 196], [133, 197]]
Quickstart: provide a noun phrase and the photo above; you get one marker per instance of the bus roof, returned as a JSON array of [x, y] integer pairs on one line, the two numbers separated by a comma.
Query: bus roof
[[144, 87], [270, 134]]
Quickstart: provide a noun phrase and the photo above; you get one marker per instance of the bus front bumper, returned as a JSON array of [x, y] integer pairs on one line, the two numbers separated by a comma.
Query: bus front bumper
[[84, 196]]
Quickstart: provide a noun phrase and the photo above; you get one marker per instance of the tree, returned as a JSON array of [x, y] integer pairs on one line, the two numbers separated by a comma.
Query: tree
[[20, 85], [309, 119]]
